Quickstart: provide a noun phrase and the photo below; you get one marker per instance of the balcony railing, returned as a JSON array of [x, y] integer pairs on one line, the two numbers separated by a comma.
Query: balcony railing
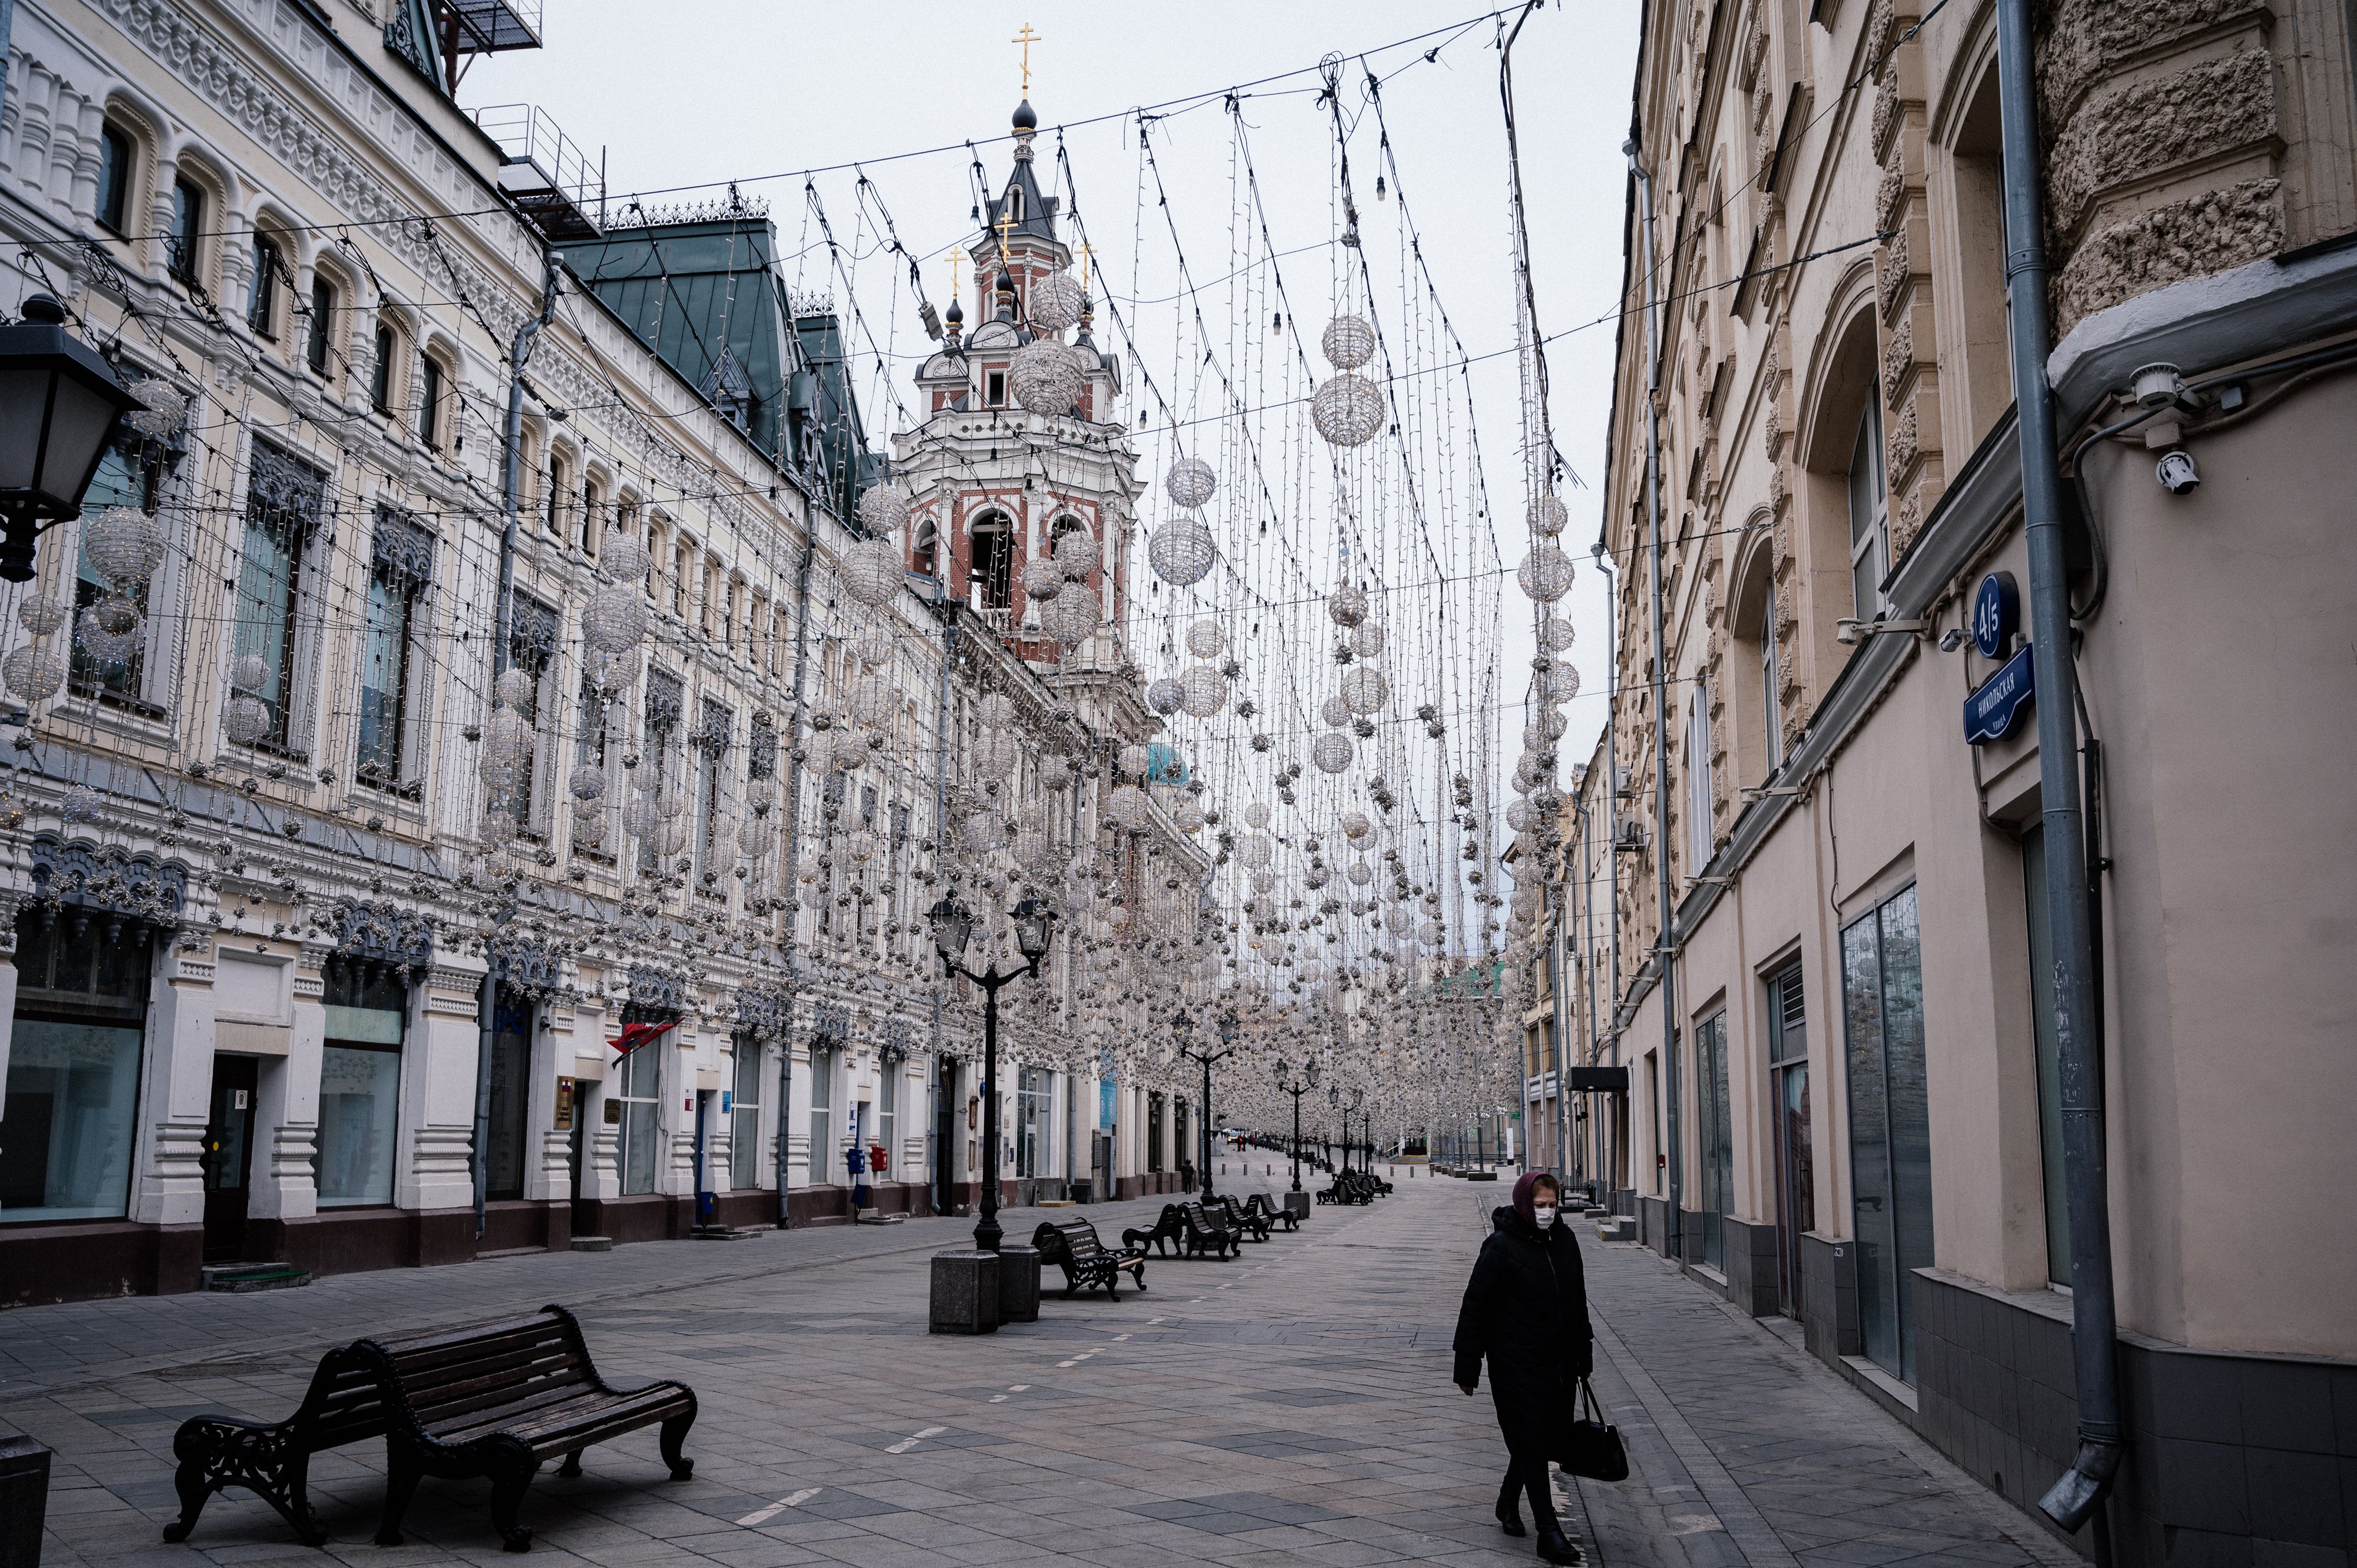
[[547, 173]]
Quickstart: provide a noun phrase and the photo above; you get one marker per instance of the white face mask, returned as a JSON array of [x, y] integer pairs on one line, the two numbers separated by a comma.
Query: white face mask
[[1545, 1214]]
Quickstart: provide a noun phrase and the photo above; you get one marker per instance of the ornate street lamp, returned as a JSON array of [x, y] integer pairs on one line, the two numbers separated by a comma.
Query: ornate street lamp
[[58, 402], [1297, 1085], [1184, 1025], [953, 925]]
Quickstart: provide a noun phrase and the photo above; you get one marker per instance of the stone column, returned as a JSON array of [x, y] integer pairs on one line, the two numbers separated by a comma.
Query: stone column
[[286, 1119], [175, 1097], [434, 1176]]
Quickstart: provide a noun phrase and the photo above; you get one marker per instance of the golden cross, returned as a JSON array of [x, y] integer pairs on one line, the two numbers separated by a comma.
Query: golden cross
[[1006, 225], [957, 254], [1087, 251], [1026, 38]]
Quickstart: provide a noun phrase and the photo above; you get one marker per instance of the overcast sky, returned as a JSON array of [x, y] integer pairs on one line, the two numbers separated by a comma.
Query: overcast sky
[[705, 91]]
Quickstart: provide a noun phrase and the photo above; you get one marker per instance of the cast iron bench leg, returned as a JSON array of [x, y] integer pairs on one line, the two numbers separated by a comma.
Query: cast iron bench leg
[[673, 1433], [508, 1484], [571, 1465], [401, 1476]]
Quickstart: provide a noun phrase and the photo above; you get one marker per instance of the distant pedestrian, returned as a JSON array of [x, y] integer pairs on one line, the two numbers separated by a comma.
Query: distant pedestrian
[[1526, 1310]]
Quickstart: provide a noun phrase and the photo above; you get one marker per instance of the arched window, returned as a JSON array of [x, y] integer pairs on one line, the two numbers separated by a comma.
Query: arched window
[[318, 337], [114, 171], [990, 580], [381, 379], [1869, 516], [182, 248], [432, 381], [928, 539]]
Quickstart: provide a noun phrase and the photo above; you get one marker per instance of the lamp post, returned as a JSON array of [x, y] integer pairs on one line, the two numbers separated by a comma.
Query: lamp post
[[1297, 1085], [62, 402], [1184, 1028], [953, 925]]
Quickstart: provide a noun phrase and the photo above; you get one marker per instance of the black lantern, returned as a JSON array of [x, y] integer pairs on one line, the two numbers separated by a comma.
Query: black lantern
[[953, 925], [1034, 923], [58, 402]]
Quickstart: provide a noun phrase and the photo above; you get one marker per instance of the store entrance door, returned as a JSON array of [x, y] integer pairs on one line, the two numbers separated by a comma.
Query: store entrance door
[[228, 1157]]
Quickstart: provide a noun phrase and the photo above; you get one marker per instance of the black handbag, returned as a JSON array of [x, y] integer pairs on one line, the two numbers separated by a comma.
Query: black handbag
[[1589, 1445]]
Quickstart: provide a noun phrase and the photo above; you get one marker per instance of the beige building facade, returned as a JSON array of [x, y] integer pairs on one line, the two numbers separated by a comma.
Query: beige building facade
[[1844, 1105]]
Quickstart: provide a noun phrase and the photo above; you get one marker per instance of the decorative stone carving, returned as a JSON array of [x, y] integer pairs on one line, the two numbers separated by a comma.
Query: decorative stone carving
[[2202, 235]]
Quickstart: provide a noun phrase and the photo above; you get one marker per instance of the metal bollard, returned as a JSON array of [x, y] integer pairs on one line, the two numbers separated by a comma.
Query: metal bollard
[[24, 1499]]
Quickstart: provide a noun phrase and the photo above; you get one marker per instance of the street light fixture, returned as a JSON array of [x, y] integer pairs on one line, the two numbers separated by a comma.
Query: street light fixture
[[1287, 1082], [59, 404], [953, 925], [1184, 1027]]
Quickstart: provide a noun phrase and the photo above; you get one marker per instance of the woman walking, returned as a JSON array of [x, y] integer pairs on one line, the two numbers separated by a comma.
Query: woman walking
[[1526, 1310]]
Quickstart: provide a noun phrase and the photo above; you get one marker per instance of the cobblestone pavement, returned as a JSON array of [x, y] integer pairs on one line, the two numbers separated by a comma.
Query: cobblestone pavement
[[1290, 1407]]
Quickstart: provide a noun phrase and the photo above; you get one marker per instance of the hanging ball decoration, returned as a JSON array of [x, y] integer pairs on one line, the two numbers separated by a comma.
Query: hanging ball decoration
[[1519, 817], [1182, 551], [1314, 878], [1368, 640], [1127, 807], [1263, 882], [625, 561], [1429, 933], [1041, 582], [1256, 814], [883, 509], [125, 545], [615, 619], [1187, 818], [1167, 696], [995, 710], [1205, 639], [1055, 301], [670, 840], [1190, 482], [1360, 874], [588, 783], [1562, 680], [1347, 410], [1355, 826], [244, 720], [872, 646], [1549, 516], [1207, 691], [1078, 553], [1335, 712], [1545, 573], [1071, 619], [1332, 751], [1044, 376], [589, 829], [110, 629], [1133, 761], [35, 672], [1348, 606], [80, 804], [870, 571], [42, 615], [642, 817], [247, 671], [514, 687], [167, 411], [1365, 689], [871, 701], [1555, 634], [756, 838], [1348, 342], [1258, 851]]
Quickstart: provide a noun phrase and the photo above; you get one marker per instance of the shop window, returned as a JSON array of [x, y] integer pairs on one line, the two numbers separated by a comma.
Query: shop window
[[70, 1118], [1796, 1176], [1154, 1133], [630, 1110], [1890, 1125], [745, 1116], [508, 1145], [359, 1085], [887, 1111], [822, 1115], [1031, 1119]]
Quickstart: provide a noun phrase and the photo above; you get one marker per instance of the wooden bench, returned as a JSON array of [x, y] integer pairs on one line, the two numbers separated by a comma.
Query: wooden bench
[[1073, 1246], [495, 1400], [499, 1400], [1239, 1219], [1206, 1232], [1169, 1229], [1276, 1213]]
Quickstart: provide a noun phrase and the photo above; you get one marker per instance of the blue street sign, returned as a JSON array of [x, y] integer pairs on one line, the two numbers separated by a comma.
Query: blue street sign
[[1996, 614], [1994, 712]]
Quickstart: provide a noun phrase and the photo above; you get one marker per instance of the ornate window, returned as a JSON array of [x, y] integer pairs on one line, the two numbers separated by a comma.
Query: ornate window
[[284, 504], [183, 247], [400, 564], [116, 167]]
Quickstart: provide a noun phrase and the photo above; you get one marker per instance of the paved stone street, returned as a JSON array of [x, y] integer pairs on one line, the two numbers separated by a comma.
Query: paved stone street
[[1292, 1407]]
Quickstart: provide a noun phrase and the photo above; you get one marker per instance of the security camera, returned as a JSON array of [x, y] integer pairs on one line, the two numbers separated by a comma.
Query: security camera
[[2176, 473], [1952, 640]]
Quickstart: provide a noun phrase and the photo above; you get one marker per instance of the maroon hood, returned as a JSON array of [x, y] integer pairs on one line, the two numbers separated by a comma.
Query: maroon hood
[[1525, 1186]]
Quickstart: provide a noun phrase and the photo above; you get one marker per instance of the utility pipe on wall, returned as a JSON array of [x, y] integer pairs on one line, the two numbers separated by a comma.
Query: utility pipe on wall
[[2074, 1497]]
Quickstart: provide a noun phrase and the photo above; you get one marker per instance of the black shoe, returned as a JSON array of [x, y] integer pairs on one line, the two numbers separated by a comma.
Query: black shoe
[[1556, 1547], [1510, 1519]]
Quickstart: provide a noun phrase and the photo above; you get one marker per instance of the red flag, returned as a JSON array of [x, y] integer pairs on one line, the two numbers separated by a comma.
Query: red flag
[[633, 1035]]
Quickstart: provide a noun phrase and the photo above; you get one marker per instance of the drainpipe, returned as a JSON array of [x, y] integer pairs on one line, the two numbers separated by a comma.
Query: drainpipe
[[793, 859], [1665, 944], [1605, 563], [511, 482], [2075, 1497]]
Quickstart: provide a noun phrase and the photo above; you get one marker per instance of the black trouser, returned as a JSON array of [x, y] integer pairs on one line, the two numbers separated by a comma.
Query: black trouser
[[1528, 1474]]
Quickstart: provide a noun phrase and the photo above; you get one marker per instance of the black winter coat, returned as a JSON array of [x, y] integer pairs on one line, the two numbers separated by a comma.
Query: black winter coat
[[1526, 1310]]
